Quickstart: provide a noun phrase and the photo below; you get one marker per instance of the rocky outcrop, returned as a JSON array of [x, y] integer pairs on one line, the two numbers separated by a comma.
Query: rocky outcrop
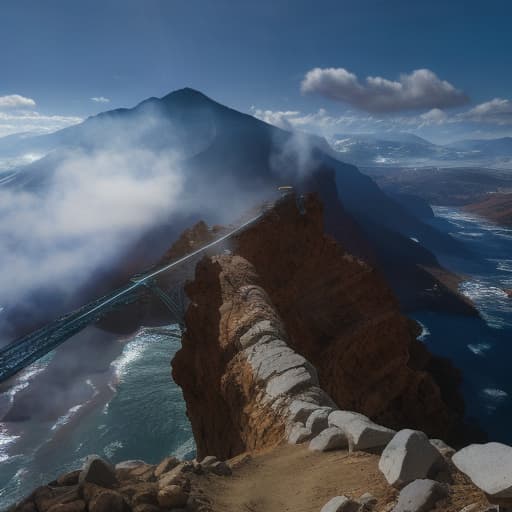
[[290, 282]]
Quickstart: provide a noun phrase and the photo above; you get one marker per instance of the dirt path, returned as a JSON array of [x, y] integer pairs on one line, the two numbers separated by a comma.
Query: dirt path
[[291, 478]]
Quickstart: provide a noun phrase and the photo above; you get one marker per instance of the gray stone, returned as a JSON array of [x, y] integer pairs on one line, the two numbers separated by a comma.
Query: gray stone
[[260, 329], [316, 395], [331, 438], [220, 468], [367, 501], [130, 464], [98, 471], [361, 432], [444, 449], [269, 360], [299, 434], [317, 420], [408, 456], [288, 382], [209, 460], [340, 504], [299, 410], [420, 496], [172, 496], [489, 466]]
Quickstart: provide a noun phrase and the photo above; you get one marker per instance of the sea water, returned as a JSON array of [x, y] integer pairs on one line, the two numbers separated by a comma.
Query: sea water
[[144, 419]]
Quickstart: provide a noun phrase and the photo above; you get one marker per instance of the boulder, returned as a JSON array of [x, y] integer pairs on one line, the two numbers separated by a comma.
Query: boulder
[[299, 410], [208, 461], [172, 496], [46, 496], [318, 420], [274, 358], [299, 434], [69, 478], [166, 465], [148, 495], [108, 501], [331, 438], [361, 432], [489, 466], [98, 471], [176, 476], [340, 504], [72, 506], [408, 456], [260, 329], [442, 447], [146, 507], [220, 468], [367, 502], [420, 496], [130, 464], [289, 382]]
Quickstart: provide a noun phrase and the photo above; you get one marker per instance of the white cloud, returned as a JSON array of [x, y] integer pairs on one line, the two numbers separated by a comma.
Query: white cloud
[[100, 99], [434, 116], [16, 101], [422, 89], [21, 121], [496, 111]]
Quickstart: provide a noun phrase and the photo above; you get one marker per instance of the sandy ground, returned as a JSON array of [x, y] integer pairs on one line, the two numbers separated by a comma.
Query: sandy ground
[[291, 478]]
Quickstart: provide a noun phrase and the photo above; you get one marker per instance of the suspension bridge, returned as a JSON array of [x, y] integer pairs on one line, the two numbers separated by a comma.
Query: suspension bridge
[[24, 351]]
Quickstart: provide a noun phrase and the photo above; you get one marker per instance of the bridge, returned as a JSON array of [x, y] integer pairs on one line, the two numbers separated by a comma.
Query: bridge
[[26, 350]]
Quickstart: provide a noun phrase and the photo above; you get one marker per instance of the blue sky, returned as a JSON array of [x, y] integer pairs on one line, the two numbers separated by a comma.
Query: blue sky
[[254, 56]]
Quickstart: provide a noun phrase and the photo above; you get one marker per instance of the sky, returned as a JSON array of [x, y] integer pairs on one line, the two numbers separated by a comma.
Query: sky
[[440, 69]]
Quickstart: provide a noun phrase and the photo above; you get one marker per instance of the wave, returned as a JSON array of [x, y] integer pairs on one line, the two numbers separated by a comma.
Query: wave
[[425, 333], [186, 450], [6, 439], [479, 349]]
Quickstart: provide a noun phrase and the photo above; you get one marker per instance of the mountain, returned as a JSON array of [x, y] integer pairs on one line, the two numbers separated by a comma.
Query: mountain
[[229, 162], [488, 148], [390, 149]]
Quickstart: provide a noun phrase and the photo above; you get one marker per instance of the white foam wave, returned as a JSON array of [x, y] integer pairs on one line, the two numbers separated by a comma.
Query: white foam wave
[[67, 417], [185, 449], [6, 439], [112, 448], [479, 349], [425, 333]]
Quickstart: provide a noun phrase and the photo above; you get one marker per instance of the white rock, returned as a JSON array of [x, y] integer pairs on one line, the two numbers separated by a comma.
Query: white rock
[[209, 460], [317, 420], [361, 432], [300, 411], [408, 456], [489, 466], [288, 382], [331, 438], [299, 434], [273, 359], [420, 496], [442, 447], [340, 504], [316, 395], [259, 329]]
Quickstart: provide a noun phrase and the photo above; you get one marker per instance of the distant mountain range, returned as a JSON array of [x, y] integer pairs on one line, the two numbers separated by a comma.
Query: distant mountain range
[[405, 149], [231, 162]]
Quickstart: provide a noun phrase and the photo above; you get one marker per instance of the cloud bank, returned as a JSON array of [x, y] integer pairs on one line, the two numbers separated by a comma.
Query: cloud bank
[[16, 101], [421, 89], [496, 111]]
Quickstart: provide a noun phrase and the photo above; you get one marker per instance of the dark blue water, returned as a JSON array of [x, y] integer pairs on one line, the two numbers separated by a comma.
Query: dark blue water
[[481, 348], [143, 418]]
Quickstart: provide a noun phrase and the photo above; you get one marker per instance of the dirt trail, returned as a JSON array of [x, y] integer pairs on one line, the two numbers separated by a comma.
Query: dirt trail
[[291, 478]]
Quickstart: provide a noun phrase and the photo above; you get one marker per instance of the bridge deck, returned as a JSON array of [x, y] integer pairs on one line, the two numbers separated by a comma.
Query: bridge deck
[[26, 350]]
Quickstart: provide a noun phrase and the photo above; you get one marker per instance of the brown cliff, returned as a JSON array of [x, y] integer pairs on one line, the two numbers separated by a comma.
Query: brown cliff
[[338, 313]]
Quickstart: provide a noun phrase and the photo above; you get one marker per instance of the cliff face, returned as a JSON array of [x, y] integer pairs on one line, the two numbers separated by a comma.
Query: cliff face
[[336, 311]]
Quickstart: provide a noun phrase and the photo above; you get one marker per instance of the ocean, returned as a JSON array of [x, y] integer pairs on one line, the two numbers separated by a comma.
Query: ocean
[[143, 418]]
